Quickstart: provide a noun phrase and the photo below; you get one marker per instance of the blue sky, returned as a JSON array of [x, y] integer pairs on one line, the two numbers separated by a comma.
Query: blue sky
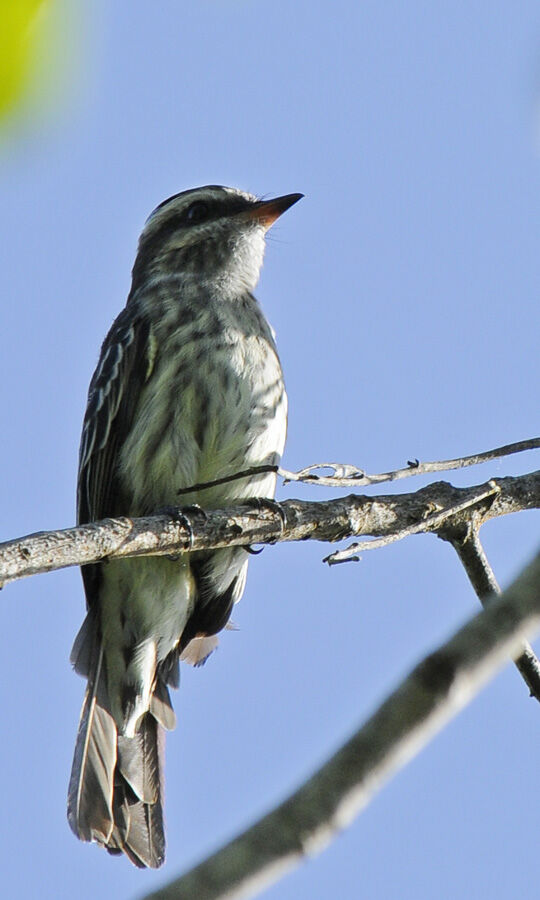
[[404, 293]]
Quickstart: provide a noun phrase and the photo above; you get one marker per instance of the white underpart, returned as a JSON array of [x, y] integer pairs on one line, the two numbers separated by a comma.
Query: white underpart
[[248, 259]]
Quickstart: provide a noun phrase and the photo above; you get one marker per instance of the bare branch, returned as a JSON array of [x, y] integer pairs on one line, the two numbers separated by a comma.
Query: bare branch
[[431, 523], [467, 544], [428, 698], [347, 475], [330, 520]]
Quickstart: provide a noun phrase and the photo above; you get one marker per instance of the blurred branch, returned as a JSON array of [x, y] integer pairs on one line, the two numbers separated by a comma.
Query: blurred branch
[[246, 524], [428, 698], [347, 475]]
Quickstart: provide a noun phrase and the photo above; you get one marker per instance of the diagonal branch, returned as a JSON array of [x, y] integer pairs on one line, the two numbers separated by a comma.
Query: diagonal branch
[[466, 542], [428, 698], [347, 475], [243, 525]]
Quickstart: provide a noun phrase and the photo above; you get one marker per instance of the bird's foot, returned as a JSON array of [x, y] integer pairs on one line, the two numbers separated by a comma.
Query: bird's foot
[[265, 503], [195, 510], [183, 515]]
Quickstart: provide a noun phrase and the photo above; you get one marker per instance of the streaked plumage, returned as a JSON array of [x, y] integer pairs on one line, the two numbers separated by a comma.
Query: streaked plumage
[[188, 389]]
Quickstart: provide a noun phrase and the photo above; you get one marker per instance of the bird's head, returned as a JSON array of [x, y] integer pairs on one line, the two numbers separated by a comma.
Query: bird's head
[[212, 235]]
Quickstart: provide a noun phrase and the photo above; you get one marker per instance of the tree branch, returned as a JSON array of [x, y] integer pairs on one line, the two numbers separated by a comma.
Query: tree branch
[[466, 542], [346, 475], [430, 523], [428, 698], [330, 520]]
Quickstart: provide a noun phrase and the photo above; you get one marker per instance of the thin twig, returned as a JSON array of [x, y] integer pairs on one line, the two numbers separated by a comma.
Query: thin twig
[[428, 698], [347, 475], [430, 523], [245, 473], [466, 542]]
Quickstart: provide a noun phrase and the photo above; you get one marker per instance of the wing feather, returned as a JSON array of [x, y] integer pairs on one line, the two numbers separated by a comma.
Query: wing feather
[[113, 396], [109, 414]]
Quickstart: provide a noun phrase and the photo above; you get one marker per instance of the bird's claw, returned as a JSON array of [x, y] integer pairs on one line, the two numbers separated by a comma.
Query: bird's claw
[[179, 514], [196, 510], [262, 503]]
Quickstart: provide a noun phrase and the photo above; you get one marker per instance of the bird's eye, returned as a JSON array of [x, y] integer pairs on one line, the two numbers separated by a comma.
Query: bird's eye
[[197, 212]]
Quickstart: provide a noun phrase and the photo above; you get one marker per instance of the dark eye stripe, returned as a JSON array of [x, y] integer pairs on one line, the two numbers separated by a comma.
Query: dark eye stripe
[[216, 208], [177, 221], [209, 187]]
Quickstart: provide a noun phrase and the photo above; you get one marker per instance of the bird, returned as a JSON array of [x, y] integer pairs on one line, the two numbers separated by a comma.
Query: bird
[[188, 391]]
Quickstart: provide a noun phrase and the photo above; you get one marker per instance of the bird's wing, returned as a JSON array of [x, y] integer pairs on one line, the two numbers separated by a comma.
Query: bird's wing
[[123, 368]]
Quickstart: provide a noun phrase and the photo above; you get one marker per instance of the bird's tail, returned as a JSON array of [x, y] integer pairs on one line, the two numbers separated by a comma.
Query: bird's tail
[[115, 794]]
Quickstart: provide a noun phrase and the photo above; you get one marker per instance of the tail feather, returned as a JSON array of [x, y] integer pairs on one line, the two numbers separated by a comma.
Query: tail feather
[[115, 794], [138, 796], [83, 651], [139, 762], [90, 792], [139, 832]]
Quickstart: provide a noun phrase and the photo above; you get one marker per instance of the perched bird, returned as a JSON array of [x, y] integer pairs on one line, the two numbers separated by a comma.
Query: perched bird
[[188, 390]]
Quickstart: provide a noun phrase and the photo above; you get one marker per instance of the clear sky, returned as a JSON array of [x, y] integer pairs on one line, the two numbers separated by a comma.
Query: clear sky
[[404, 292]]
